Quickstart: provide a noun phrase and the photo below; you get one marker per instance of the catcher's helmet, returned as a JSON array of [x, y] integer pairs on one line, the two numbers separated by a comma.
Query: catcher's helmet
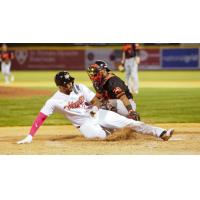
[[94, 70], [63, 78]]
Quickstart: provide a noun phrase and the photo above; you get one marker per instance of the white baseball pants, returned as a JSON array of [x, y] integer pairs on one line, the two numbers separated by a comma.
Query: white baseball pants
[[120, 107], [5, 68], [131, 71], [108, 119]]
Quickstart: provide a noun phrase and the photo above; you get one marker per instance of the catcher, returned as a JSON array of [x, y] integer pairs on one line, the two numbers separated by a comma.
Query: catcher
[[112, 91]]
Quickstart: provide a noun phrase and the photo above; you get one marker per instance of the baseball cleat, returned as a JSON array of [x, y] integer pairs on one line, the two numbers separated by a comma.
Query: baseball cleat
[[28, 139], [166, 135]]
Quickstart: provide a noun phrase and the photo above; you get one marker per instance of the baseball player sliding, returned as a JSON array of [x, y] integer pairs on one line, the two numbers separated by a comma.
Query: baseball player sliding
[[112, 91], [80, 105]]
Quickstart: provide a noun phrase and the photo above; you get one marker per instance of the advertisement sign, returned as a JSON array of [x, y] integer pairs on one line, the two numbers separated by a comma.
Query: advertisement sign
[[150, 59], [108, 55], [180, 58], [49, 59]]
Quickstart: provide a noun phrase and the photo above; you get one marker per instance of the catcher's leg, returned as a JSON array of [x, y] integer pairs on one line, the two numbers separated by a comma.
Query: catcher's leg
[[120, 107]]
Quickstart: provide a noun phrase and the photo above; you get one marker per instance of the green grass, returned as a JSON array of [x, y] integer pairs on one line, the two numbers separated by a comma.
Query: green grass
[[81, 76], [170, 76], [169, 105], [22, 112], [155, 105]]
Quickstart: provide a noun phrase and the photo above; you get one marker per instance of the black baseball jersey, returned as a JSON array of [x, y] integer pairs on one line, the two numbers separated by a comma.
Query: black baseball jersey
[[6, 56], [114, 86], [131, 50]]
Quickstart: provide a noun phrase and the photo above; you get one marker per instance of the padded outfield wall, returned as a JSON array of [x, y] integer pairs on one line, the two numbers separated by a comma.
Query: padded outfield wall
[[79, 57]]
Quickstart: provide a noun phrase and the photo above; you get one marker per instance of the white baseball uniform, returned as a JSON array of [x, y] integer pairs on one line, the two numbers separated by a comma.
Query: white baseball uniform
[[76, 107]]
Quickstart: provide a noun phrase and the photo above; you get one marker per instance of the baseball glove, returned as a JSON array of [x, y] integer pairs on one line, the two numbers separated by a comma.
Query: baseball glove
[[134, 115], [121, 68]]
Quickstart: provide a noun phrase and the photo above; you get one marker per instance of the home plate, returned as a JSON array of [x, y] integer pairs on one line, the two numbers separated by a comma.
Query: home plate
[[175, 139]]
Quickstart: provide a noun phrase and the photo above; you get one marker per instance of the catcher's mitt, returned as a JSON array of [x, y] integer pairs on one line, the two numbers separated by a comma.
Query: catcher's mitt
[[134, 115], [121, 68]]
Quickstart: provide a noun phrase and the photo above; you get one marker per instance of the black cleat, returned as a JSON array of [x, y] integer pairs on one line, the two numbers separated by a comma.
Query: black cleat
[[166, 135]]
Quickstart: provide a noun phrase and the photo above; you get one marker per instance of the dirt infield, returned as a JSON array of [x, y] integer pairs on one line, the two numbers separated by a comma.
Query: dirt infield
[[8, 92], [66, 140]]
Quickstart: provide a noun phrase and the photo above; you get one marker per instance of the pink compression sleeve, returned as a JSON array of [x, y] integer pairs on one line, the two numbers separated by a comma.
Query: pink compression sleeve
[[37, 123]]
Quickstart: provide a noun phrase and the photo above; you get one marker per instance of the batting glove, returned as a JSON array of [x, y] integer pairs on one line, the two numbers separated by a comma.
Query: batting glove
[[28, 139]]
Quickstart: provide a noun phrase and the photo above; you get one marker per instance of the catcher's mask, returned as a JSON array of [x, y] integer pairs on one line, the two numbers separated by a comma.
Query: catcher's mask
[[63, 78], [96, 70]]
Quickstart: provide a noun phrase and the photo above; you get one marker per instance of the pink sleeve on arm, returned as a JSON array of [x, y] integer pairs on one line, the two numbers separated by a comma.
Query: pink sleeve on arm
[[37, 123]]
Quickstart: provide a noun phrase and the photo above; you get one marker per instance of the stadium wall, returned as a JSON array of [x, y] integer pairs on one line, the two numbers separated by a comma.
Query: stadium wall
[[79, 57]]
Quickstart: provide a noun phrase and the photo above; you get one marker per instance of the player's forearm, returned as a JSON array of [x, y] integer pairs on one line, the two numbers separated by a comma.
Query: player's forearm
[[96, 102], [126, 103], [123, 58], [37, 123]]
